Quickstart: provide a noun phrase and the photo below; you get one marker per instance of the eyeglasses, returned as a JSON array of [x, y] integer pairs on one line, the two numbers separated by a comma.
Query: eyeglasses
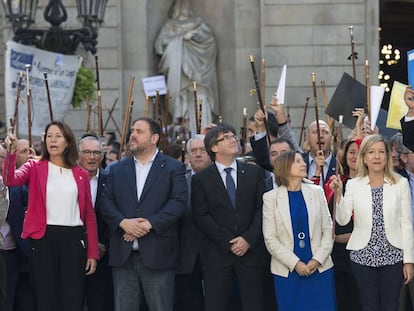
[[96, 153], [228, 138], [194, 151]]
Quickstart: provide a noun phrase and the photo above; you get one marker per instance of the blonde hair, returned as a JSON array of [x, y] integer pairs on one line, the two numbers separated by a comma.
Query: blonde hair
[[362, 168]]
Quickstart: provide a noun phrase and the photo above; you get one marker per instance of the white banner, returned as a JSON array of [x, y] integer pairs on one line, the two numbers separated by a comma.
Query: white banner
[[61, 73]]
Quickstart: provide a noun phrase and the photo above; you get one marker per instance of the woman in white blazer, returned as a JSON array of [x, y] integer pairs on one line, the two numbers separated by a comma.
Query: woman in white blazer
[[297, 230], [382, 241]]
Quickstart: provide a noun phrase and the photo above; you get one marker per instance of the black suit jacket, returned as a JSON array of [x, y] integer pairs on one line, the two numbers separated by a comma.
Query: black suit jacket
[[219, 222], [103, 229], [408, 133], [162, 202], [18, 204], [189, 236]]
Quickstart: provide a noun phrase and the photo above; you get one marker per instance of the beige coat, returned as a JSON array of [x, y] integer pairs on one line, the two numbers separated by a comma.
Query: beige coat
[[396, 210], [278, 232]]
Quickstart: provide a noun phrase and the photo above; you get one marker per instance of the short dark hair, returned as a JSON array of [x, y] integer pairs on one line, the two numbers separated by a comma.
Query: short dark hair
[[155, 128], [70, 154], [211, 137], [280, 140]]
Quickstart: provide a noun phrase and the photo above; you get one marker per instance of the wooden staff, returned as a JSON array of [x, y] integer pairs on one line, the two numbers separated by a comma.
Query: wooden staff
[[368, 90], [15, 121], [302, 128], [49, 100], [161, 120], [351, 34], [13, 127], [130, 114], [100, 121], [329, 120], [243, 131], [146, 106], [315, 103], [154, 109], [88, 114], [263, 80], [260, 98], [183, 145], [29, 105], [200, 114], [198, 127], [126, 116], [338, 173], [167, 111]]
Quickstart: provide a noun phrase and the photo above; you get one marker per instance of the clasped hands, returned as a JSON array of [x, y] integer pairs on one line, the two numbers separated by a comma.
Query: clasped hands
[[239, 246], [135, 228], [307, 269]]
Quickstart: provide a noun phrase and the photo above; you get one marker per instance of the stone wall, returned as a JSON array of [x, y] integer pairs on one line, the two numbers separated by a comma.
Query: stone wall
[[308, 36]]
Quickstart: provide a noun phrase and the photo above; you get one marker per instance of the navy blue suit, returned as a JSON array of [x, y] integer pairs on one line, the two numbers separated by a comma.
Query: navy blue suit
[[162, 203], [99, 287]]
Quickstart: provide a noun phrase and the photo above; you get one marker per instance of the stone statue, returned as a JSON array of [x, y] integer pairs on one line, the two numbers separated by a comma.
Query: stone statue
[[188, 53]]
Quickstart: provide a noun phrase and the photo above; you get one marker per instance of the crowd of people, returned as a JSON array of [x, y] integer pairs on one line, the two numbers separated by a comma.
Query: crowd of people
[[286, 227]]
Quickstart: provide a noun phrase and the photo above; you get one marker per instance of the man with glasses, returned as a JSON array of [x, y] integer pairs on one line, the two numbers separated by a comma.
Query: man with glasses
[[226, 201], [99, 287], [188, 280]]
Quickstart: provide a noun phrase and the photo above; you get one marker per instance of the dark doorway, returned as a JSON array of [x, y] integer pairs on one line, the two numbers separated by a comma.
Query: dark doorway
[[397, 35]]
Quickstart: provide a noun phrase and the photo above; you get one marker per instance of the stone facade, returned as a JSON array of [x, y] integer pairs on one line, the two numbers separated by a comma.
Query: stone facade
[[309, 36]]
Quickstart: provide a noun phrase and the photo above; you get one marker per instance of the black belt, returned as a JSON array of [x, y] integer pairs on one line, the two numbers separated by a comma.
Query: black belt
[[9, 251]]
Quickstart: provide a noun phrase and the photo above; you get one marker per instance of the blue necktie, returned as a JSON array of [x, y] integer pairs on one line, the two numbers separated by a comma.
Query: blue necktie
[[231, 187]]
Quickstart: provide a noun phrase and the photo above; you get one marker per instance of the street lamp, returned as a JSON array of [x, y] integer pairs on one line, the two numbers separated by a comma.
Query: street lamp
[[21, 15]]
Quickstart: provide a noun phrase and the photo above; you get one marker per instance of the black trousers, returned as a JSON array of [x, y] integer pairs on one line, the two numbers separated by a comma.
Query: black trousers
[[218, 283], [58, 263], [99, 288], [189, 294], [379, 288], [3, 279]]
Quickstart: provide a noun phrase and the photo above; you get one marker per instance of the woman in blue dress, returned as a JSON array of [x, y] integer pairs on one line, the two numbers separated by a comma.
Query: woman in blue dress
[[297, 229]]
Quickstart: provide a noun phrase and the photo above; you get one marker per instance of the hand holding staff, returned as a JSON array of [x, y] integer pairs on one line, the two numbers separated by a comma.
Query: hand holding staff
[[259, 95]]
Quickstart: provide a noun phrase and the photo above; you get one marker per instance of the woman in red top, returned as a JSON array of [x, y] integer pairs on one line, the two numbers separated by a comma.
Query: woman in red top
[[60, 221]]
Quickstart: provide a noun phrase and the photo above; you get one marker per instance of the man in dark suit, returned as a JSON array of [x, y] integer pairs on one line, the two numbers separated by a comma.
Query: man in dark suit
[[99, 286], [189, 279], [226, 201], [407, 122], [144, 198]]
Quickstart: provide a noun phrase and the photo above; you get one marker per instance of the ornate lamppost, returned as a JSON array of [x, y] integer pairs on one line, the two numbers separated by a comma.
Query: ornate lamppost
[[21, 15]]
